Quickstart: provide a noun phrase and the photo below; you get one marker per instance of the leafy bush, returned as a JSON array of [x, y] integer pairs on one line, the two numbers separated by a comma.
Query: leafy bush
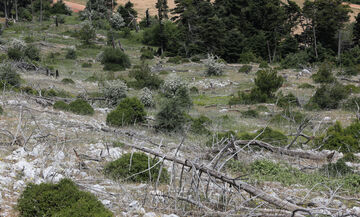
[[87, 33], [287, 100], [215, 67], [67, 81], [81, 107], [145, 78], [114, 91], [60, 8], [352, 88], [338, 169], [115, 60], [295, 60], [268, 82], [129, 111], [328, 96], [250, 113], [147, 53], [25, 14], [245, 69], [268, 135], [32, 52], [352, 104], [117, 21], [147, 97], [175, 88], [350, 71], [15, 54], [9, 76], [171, 117], [247, 57], [199, 125], [138, 163], [86, 65], [62, 199], [194, 90], [71, 54], [61, 105], [1, 110], [341, 139], [175, 60], [324, 75], [263, 65]]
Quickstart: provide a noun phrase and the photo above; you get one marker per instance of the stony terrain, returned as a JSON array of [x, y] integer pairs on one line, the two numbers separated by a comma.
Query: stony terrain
[[40, 144]]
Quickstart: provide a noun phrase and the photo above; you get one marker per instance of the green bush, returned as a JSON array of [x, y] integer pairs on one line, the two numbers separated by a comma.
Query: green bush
[[129, 111], [171, 117], [175, 60], [250, 114], [306, 86], [245, 69], [350, 71], [71, 54], [32, 52], [60, 8], [86, 65], [287, 116], [147, 53], [338, 169], [324, 75], [268, 81], [263, 65], [81, 107], [29, 90], [9, 76], [352, 104], [341, 139], [67, 81], [114, 91], [294, 60], [62, 199], [268, 135], [247, 57], [15, 54], [25, 14], [286, 101], [54, 93], [145, 78], [352, 88], [199, 125], [194, 90], [87, 33], [61, 105], [115, 60], [328, 96], [138, 163], [1, 110]]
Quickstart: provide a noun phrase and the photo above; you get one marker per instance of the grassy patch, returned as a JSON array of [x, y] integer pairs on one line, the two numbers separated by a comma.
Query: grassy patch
[[205, 100]]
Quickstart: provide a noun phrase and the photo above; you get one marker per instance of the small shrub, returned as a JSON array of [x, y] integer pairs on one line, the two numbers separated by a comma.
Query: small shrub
[[61, 105], [114, 91], [25, 14], [286, 101], [62, 199], [175, 60], [328, 96], [247, 57], [250, 114], [145, 78], [263, 65], [71, 54], [350, 71], [117, 21], [175, 88], [324, 75], [245, 69], [268, 135], [352, 104], [268, 81], [29, 39], [171, 117], [341, 139], [352, 88], [87, 33], [338, 169], [294, 60], [195, 59], [199, 125], [9, 76], [147, 53], [214, 66], [86, 65], [194, 90], [29, 90], [1, 110], [136, 163], [147, 97], [32, 52], [115, 60], [81, 107], [306, 86], [67, 81], [15, 54], [287, 116], [129, 111]]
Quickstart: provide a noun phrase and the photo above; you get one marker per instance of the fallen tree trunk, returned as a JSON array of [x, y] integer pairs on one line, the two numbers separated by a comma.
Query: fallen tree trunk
[[224, 178], [294, 153]]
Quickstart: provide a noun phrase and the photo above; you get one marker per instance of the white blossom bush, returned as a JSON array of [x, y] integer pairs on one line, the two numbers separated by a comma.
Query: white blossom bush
[[214, 65], [114, 91], [146, 97], [18, 44], [117, 21], [175, 87]]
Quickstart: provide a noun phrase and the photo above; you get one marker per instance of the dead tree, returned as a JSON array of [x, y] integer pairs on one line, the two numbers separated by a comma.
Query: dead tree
[[56, 73]]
